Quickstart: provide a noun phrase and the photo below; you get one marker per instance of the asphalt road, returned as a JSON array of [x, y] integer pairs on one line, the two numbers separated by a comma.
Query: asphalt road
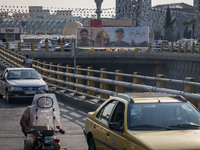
[[72, 119]]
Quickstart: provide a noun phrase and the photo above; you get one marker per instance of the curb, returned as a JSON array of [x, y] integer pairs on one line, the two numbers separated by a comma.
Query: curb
[[77, 100]]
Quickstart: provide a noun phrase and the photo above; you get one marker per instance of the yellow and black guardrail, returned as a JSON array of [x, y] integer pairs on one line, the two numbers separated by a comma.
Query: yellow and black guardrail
[[98, 87]]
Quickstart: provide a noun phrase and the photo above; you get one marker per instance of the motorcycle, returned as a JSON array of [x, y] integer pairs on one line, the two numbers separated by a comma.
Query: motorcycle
[[44, 140], [44, 118]]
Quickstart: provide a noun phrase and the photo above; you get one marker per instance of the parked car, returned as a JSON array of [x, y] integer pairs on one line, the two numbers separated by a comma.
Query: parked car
[[183, 43], [156, 122], [66, 47], [11, 46], [157, 44], [17, 83], [42, 44]]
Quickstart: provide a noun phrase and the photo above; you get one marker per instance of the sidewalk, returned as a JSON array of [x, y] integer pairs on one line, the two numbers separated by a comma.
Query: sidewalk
[[76, 99]]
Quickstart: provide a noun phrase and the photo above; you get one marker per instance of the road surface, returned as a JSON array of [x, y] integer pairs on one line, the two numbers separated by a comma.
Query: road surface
[[72, 119]]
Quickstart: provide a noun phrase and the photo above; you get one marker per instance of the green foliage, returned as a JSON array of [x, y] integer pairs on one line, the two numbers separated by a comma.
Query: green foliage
[[157, 35], [178, 36], [168, 21], [169, 34], [187, 32], [169, 31]]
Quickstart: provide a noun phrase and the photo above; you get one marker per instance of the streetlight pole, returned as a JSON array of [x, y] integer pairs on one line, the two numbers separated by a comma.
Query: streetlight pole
[[98, 11], [73, 53]]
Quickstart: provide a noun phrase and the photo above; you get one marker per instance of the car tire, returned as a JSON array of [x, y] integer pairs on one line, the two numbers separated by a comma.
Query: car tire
[[1, 96], [8, 99], [91, 144]]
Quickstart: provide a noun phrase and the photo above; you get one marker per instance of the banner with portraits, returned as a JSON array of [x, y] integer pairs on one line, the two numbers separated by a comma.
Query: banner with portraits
[[112, 37]]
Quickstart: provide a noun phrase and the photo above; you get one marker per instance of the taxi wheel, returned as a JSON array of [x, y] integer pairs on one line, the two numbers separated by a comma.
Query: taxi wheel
[[91, 145]]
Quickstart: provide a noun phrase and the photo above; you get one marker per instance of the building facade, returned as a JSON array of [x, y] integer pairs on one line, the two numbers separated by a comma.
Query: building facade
[[143, 14]]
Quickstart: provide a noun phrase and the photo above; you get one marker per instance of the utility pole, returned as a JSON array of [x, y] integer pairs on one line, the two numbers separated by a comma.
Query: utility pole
[[98, 11]]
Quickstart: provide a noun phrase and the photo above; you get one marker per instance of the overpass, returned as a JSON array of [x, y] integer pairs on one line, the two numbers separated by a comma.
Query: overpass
[[98, 85], [174, 65]]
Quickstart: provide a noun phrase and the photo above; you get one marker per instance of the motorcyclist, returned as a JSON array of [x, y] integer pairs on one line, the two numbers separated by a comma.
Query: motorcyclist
[[35, 117]]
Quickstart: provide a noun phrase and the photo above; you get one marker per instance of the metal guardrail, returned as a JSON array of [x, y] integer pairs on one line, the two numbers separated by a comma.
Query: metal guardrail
[[15, 59], [120, 83], [126, 75], [153, 47]]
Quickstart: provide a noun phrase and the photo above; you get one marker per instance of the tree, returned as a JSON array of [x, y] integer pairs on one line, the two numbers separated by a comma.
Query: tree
[[23, 23], [157, 35], [193, 22], [189, 33], [186, 30], [168, 21], [169, 32], [178, 36]]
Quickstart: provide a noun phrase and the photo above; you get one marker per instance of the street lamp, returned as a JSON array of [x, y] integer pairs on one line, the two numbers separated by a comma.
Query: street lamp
[[98, 11]]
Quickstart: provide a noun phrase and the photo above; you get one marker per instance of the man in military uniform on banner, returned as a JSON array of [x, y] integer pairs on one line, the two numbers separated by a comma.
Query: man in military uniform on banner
[[119, 39]]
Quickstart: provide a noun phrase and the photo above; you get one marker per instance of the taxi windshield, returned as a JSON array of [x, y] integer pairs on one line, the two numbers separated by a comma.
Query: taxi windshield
[[162, 116]]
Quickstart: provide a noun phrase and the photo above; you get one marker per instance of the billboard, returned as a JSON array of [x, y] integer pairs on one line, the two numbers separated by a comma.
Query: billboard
[[112, 37]]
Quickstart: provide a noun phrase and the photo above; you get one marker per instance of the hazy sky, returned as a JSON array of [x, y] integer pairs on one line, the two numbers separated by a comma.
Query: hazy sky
[[77, 3]]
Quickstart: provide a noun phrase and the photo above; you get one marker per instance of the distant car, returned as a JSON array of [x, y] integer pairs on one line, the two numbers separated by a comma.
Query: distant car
[[66, 47], [183, 43], [150, 122], [11, 46], [42, 44], [18, 83], [157, 44]]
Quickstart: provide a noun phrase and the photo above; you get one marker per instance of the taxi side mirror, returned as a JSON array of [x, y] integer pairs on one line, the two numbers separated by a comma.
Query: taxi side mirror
[[115, 126]]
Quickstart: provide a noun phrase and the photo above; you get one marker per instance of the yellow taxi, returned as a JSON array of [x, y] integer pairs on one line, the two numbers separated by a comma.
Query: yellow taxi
[[143, 122]]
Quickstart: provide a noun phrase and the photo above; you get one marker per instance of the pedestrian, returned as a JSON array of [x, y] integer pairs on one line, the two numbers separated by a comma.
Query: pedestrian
[[63, 40], [27, 62], [58, 41], [46, 40]]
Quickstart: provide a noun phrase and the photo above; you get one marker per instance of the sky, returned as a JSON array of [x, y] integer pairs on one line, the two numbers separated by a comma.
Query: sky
[[77, 3]]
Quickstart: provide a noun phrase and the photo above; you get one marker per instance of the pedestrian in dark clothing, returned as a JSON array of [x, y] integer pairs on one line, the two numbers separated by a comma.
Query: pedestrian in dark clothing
[[63, 40], [46, 40], [27, 62], [58, 41]]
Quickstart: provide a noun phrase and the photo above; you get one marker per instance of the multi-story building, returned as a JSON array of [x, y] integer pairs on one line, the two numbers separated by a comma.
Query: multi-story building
[[38, 12], [143, 14], [63, 14]]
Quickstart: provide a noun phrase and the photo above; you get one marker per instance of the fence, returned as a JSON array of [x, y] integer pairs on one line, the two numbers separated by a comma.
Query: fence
[[84, 82], [194, 48]]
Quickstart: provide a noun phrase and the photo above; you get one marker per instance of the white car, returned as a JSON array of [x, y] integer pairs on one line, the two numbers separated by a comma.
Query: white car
[[157, 44], [183, 43], [67, 48], [11, 46], [42, 44]]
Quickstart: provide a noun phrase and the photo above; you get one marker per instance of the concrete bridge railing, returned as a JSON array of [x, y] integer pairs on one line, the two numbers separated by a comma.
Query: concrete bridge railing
[[101, 84]]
